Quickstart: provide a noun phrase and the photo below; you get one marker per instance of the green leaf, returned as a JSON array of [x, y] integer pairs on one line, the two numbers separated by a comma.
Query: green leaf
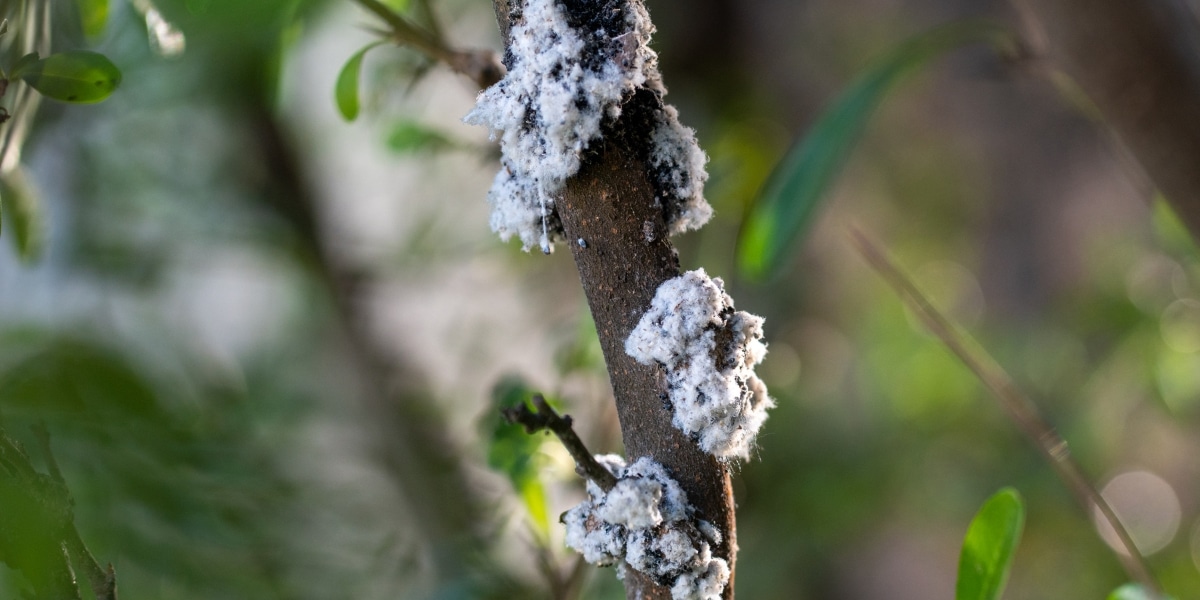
[[988, 549], [1134, 591], [24, 215], [75, 378], [412, 137], [515, 453], [790, 199], [78, 76], [346, 90], [94, 14]]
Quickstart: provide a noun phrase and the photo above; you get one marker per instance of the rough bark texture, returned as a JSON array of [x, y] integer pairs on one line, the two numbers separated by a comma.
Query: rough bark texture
[[1139, 62], [619, 240], [608, 205]]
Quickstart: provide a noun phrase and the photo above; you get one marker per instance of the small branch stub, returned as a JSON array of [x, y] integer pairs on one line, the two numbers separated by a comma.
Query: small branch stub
[[544, 417]]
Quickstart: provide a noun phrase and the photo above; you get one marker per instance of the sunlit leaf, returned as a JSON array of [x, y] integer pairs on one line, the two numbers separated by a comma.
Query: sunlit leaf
[[94, 14], [989, 547], [346, 90], [78, 76], [514, 452], [24, 219], [793, 193], [411, 137], [1133, 591]]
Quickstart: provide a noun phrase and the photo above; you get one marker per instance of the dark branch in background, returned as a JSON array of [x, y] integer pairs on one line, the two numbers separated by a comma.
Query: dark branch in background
[[406, 430], [1018, 406], [482, 66], [543, 417], [1139, 63], [37, 526]]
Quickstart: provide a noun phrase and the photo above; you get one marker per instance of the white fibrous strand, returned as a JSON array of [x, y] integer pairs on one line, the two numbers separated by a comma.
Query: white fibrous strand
[[646, 523], [568, 79], [708, 352]]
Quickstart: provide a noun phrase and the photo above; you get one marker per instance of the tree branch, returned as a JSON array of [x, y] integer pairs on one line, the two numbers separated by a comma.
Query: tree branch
[[1139, 63], [625, 255]]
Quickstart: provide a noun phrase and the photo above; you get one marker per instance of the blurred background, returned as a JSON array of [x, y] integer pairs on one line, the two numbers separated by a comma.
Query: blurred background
[[269, 344]]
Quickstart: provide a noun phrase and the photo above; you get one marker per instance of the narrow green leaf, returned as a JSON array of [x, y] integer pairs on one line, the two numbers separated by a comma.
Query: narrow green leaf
[[78, 76], [94, 15], [989, 547], [412, 137], [515, 453], [346, 90], [790, 199], [1133, 591], [24, 218]]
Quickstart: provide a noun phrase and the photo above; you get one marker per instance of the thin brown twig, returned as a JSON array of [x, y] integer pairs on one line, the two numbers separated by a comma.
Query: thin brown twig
[[1018, 406], [544, 417]]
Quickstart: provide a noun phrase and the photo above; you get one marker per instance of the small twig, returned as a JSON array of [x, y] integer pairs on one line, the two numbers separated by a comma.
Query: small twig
[[482, 66], [1018, 406], [544, 417]]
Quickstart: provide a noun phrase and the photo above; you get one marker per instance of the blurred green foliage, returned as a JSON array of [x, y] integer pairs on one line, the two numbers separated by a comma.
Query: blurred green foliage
[[792, 196], [212, 457], [515, 453], [22, 217]]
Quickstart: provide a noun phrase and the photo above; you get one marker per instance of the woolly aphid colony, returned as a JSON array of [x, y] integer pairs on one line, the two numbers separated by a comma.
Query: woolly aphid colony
[[568, 79], [645, 522], [711, 386], [565, 82]]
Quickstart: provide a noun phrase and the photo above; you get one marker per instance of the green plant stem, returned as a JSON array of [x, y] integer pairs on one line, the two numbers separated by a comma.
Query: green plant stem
[[1018, 406]]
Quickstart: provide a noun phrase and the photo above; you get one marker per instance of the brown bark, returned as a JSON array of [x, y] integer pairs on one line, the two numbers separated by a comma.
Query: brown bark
[[607, 205], [619, 240], [1139, 63]]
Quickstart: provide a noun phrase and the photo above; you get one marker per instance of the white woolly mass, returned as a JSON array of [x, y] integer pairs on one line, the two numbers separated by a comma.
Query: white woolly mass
[[714, 394], [678, 166], [646, 523], [561, 86]]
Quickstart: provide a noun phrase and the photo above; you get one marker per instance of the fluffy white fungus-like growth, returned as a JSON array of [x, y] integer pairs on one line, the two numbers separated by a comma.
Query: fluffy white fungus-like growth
[[568, 78], [645, 522], [708, 351]]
